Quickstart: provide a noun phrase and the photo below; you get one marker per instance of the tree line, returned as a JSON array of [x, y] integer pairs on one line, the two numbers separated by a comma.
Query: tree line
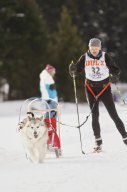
[[35, 32]]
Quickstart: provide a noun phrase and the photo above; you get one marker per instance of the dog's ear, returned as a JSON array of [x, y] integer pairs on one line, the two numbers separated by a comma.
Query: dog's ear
[[42, 118], [30, 114], [43, 124], [29, 118], [22, 123]]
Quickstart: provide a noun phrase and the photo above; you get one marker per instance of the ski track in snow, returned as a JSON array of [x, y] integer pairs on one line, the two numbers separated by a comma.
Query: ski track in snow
[[103, 172]]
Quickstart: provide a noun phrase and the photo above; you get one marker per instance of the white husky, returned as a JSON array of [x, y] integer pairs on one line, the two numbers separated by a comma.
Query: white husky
[[35, 135]]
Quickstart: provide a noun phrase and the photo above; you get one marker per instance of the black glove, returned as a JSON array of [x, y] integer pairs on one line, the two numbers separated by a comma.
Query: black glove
[[52, 87], [114, 78], [72, 69]]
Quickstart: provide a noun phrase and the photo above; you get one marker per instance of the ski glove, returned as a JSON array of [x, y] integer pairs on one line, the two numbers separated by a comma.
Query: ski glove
[[52, 87], [114, 78], [72, 69]]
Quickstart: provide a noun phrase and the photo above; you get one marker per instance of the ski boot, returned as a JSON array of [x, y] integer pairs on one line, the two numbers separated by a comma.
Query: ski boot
[[125, 139], [98, 145]]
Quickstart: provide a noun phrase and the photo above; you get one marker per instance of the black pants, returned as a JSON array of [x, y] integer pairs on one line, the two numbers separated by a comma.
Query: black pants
[[107, 99]]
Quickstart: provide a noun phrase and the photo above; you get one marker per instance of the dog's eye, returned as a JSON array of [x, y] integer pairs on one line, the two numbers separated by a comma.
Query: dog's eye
[[31, 127], [37, 127]]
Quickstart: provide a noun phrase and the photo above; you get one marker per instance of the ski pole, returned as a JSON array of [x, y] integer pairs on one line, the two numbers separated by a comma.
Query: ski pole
[[76, 101]]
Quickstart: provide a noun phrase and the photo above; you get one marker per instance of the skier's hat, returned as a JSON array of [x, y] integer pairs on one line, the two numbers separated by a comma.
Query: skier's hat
[[50, 68], [95, 42]]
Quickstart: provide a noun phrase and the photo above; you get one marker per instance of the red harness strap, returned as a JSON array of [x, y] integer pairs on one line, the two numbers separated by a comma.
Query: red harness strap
[[100, 93]]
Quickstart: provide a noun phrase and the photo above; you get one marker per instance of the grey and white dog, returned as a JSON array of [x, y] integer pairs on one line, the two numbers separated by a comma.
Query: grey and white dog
[[35, 135]]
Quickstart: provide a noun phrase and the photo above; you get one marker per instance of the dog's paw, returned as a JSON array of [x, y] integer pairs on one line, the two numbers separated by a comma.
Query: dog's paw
[[20, 126]]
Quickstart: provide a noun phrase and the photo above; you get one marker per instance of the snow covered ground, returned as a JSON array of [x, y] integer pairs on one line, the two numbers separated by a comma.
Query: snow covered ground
[[103, 172]]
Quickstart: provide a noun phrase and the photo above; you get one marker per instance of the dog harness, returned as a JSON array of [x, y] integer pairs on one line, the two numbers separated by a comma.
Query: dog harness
[[100, 93]]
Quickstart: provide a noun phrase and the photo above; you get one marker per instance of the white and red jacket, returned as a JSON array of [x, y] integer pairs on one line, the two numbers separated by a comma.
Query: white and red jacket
[[47, 86]]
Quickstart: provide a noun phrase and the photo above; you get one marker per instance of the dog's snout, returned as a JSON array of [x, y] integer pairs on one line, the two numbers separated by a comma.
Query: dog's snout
[[35, 132]]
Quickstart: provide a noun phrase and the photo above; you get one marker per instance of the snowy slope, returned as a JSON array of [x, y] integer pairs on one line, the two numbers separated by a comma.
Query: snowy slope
[[103, 172]]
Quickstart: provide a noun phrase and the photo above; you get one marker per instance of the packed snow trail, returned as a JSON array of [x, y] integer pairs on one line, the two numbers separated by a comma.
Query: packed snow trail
[[92, 172]]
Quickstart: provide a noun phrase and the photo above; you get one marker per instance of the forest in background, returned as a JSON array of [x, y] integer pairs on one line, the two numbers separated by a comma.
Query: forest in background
[[36, 32]]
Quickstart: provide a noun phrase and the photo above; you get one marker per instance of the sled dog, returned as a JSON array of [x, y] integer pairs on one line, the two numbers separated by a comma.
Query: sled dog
[[35, 135]]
